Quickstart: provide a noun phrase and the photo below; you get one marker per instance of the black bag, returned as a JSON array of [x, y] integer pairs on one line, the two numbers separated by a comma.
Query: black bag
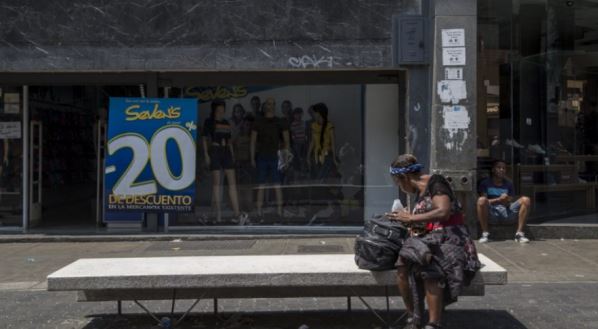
[[377, 248]]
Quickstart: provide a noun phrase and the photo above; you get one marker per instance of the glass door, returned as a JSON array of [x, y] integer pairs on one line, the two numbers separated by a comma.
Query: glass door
[[11, 158], [35, 172], [100, 155]]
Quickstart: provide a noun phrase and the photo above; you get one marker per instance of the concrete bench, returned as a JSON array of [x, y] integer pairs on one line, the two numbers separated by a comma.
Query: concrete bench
[[217, 277]]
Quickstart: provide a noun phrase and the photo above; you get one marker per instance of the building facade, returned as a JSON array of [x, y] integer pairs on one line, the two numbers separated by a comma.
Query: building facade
[[456, 83]]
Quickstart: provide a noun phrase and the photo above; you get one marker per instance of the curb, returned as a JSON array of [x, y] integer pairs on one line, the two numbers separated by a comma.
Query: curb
[[30, 238]]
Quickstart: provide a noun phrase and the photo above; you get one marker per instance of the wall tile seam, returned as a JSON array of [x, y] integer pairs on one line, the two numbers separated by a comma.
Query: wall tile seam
[[435, 16]]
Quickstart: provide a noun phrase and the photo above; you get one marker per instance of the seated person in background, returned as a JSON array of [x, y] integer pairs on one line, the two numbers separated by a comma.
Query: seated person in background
[[496, 203]]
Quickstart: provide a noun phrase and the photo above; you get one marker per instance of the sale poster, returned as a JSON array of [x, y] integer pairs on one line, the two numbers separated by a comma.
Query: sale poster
[[151, 155]]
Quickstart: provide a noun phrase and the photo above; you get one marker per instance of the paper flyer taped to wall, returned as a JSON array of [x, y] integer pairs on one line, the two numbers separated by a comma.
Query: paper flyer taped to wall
[[451, 91]]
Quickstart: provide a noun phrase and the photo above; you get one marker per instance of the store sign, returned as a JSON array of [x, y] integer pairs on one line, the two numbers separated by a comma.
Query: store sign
[[206, 94], [150, 155]]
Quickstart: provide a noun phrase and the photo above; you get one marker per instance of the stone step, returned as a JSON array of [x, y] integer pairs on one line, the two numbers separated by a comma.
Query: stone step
[[564, 231], [547, 231]]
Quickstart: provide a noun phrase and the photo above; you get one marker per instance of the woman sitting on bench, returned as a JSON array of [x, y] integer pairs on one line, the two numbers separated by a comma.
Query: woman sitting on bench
[[438, 258]]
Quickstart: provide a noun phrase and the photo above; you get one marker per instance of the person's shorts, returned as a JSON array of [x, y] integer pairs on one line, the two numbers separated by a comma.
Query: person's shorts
[[267, 170], [502, 214], [220, 158]]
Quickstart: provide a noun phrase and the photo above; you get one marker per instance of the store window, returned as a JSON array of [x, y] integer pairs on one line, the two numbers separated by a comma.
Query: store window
[[278, 155], [539, 101], [321, 156]]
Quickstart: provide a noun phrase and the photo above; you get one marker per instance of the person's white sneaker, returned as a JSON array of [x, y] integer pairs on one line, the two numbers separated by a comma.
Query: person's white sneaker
[[485, 237], [536, 148], [514, 143], [495, 141], [520, 237]]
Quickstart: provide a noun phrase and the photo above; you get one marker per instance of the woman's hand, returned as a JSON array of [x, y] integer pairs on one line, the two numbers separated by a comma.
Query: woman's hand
[[401, 216]]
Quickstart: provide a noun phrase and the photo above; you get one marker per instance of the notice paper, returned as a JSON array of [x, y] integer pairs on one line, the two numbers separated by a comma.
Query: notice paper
[[10, 130], [455, 117], [453, 38], [453, 56], [451, 91]]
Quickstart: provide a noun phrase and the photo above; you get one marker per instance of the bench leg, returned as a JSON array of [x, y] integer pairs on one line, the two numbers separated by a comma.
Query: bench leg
[[216, 306], [148, 311], [160, 322], [385, 322], [119, 307], [374, 312], [173, 301], [349, 304], [186, 313], [387, 304]]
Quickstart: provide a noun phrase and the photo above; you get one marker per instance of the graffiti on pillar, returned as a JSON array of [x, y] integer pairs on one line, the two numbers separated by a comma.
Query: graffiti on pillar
[[456, 126], [313, 61], [412, 138], [417, 107]]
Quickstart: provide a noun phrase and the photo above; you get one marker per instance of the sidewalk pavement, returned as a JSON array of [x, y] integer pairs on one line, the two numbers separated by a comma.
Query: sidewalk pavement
[[551, 282], [26, 265]]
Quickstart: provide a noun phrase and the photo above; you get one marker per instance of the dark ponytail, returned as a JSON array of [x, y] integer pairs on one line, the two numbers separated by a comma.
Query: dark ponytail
[[322, 109]]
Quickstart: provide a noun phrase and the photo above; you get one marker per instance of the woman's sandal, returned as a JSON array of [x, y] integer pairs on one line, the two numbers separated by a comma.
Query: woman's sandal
[[431, 325], [410, 324]]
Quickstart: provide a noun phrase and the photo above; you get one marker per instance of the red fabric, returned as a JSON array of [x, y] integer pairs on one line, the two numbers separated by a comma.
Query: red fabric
[[454, 219]]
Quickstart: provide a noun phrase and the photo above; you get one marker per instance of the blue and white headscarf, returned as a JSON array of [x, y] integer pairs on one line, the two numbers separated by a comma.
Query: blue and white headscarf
[[413, 168]]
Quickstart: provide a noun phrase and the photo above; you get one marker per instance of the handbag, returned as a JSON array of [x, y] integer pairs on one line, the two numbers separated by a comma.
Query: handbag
[[377, 247]]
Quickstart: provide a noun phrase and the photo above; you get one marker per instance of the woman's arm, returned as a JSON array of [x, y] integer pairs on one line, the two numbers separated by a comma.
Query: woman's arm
[[232, 151], [441, 211], [286, 139], [333, 147], [252, 147], [309, 150], [205, 150]]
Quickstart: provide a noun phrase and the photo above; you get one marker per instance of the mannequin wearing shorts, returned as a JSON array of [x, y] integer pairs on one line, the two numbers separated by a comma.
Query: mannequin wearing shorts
[[219, 156]]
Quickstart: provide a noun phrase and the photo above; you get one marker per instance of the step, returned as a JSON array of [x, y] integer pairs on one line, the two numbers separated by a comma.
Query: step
[[561, 229], [564, 231]]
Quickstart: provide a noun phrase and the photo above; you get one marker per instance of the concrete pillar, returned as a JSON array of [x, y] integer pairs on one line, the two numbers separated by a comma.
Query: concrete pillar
[[417, 113], [453, 110]]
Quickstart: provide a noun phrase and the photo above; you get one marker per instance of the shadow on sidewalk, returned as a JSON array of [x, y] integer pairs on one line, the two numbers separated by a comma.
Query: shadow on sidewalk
[[331, 319]]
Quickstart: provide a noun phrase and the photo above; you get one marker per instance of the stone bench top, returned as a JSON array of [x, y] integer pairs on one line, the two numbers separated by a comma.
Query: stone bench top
[[232, 272]]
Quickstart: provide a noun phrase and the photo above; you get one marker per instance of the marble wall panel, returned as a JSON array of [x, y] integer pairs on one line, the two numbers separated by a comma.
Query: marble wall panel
[[62, 35]]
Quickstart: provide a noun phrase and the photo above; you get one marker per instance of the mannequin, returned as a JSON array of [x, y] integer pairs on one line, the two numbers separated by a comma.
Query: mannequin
[[266, 136], [322, 148], [219, 156]]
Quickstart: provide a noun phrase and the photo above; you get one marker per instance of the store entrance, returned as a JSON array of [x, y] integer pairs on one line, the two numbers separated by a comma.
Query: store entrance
[[67, 132]]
